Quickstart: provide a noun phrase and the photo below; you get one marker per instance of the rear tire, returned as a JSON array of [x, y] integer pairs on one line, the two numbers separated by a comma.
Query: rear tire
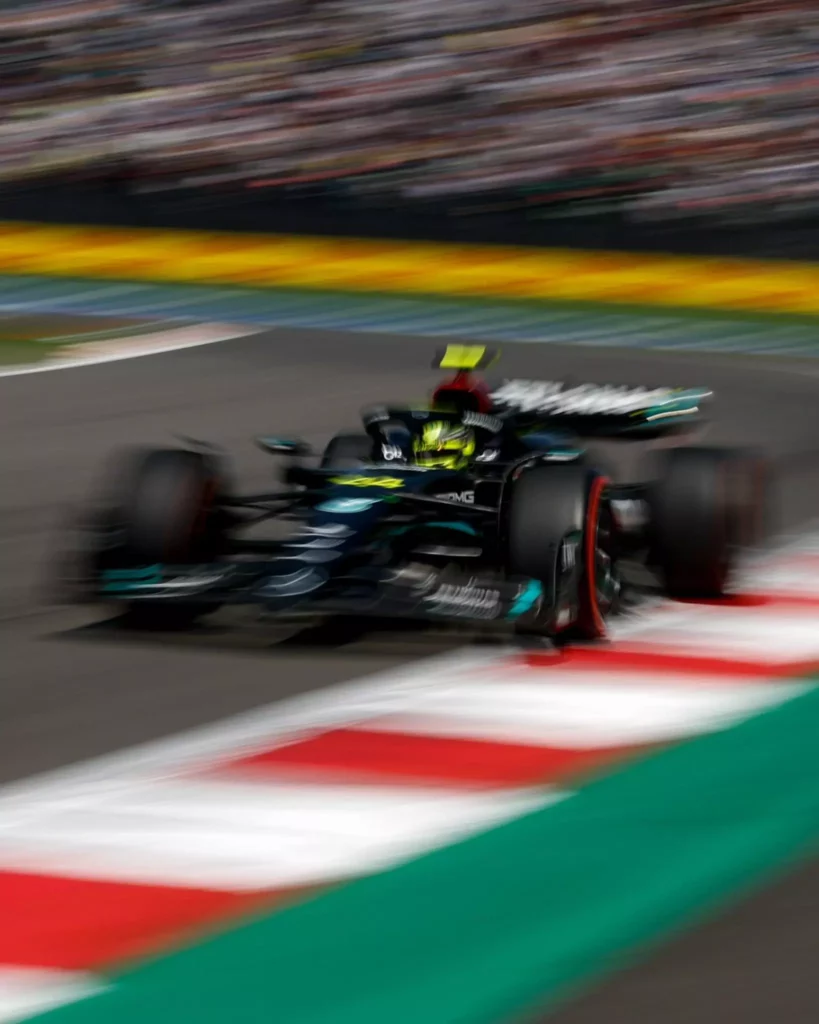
[[707, 506], [559, 523], [347, 451]]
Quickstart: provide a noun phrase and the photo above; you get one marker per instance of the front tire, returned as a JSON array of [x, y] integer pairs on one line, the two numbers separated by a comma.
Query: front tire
[[167, 510], [560, 531]]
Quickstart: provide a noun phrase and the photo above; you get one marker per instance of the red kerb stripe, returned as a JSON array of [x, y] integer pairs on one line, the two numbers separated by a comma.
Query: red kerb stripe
[[367, 756], [83, 924]]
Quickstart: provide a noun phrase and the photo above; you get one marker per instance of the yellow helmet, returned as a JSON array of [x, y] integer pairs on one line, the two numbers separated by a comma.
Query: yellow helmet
[[443, 445]]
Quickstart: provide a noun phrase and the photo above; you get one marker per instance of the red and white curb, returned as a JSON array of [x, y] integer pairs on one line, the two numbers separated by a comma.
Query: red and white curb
[[123, 856]]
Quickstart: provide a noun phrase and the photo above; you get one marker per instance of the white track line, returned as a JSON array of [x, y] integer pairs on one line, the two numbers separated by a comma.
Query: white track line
[[765, 634], [230, 334]]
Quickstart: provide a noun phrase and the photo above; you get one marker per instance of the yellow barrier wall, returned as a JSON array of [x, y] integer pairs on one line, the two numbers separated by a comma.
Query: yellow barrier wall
[[415, 268]]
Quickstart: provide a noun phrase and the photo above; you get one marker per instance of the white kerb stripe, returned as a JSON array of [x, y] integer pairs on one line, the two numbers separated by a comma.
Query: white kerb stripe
[[766, 635], [235, 836], [25, 991], [582, 714], [790, 577]]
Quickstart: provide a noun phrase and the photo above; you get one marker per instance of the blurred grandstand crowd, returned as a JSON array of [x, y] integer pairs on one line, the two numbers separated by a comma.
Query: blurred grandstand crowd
[[667, 107]]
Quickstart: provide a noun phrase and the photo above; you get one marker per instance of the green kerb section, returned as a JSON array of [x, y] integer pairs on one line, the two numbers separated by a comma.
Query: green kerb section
[[517, 917]]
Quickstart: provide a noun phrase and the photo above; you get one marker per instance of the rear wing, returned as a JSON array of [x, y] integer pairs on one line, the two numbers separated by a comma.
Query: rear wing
[[595, 410]]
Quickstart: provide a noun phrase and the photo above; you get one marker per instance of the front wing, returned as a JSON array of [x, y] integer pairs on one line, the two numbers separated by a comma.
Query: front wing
[[411, 592]]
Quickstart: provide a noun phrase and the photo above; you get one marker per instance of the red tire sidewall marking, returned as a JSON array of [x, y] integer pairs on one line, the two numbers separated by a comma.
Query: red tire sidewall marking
[[594, 617]]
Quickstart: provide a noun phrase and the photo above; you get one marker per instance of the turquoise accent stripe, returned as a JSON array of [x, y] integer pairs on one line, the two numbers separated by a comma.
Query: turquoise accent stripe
[[131, 579], [345, 506], [525, 601], [462, 527]]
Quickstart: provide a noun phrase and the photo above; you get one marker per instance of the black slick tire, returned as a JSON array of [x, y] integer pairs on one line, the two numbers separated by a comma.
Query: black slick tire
[[555, 510], [707, 506], [168, 512]]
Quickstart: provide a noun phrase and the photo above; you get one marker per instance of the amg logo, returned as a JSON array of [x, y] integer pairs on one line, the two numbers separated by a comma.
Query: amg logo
[[464, 497], [474, 602]]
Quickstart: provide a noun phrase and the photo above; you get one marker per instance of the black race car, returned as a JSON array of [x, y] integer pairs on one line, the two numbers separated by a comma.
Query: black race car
[[482, 505]]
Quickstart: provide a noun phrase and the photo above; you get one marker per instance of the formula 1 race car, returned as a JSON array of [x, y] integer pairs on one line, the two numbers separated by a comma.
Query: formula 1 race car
[[480, 505]]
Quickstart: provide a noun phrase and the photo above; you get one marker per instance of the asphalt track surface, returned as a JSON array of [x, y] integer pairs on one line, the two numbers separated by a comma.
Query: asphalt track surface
[[74, 686]]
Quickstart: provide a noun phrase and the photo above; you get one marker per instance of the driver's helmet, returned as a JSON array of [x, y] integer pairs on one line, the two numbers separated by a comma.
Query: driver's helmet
[[443, 445]]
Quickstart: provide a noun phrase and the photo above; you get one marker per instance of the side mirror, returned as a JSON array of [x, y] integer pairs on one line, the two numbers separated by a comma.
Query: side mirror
[[284, 446]]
